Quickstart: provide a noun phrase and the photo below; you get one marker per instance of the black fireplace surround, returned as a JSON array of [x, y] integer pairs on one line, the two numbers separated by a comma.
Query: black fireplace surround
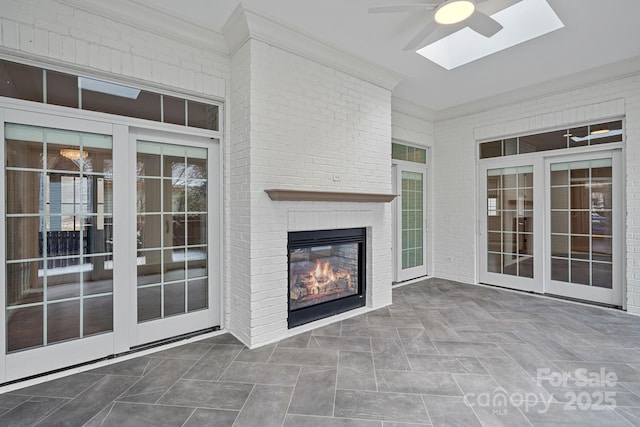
[[326, 273]]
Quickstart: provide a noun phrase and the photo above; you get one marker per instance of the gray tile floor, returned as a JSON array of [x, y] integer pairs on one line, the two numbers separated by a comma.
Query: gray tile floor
[[444, 354]]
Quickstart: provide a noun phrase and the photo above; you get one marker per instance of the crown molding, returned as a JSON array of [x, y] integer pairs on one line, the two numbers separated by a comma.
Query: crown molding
[[587, 78], [164, 24], [236, 30], [245, 24], [410, 109]]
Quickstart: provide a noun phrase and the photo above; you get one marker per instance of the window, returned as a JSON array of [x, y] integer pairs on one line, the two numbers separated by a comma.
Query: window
[[51, 87], [408, 153], [600, 133]]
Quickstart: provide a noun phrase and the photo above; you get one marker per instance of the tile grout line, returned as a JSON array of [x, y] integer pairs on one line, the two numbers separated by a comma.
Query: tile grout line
[[141, 378], [181, 377], [373, 362], [229, 365], [424, 404], [335, 388], [253, 387], [189, 417], [113, 404], [293, 392], [69, 400]]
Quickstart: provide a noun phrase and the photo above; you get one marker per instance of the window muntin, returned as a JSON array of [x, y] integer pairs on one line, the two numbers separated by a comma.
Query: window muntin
[[408, 153], [59, 233], [172, 228], [412, 219], [36, 84], [581, 222], [510, 221], [594, 134]]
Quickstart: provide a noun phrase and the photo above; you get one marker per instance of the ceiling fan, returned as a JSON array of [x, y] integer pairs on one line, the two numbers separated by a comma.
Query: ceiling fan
[[447, 17]]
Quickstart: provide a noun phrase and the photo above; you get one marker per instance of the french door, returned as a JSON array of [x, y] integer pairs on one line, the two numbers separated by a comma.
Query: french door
[[410, 221], [176, 235], [584, 227], [553, 225], [58, 293], [108, 244], [509, 229]]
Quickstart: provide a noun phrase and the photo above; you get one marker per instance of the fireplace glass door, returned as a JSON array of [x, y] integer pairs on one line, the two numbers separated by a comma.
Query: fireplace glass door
[[325, 273]]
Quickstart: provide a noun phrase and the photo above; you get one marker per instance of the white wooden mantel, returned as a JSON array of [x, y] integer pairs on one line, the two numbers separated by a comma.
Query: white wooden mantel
[[282, 195]]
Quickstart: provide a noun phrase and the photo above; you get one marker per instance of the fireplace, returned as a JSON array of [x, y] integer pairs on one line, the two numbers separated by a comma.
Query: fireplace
[[326, 273]]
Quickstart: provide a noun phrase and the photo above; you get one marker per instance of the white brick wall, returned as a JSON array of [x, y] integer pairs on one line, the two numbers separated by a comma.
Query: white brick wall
[[309, 122], [455, 183], [238, 200], [412, 129], [61, 34]]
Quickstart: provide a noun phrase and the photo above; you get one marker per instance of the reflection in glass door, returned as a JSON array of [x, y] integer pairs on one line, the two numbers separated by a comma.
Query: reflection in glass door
[[582, 231], [59, 253], [172, 234]]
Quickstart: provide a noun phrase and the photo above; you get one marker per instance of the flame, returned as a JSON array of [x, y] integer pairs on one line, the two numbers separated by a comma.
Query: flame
[[322, 279], [324, 272], [323, 275]]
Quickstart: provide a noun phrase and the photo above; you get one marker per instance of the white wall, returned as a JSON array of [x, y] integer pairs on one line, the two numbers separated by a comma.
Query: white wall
[[412, 124], [455, 176]]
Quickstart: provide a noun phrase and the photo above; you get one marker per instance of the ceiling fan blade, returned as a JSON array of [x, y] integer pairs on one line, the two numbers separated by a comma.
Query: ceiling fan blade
[[491, 7], [402, 8], [483, 24], [421, 36], [440, 32]]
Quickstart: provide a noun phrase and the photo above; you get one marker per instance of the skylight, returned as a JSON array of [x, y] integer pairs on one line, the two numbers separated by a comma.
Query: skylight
[[523, 21]]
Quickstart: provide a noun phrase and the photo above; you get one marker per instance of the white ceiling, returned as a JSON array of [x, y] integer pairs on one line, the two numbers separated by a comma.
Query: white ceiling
[[597, 33]]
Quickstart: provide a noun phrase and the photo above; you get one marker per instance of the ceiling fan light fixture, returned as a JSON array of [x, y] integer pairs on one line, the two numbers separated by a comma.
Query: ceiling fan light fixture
[[454, 11]]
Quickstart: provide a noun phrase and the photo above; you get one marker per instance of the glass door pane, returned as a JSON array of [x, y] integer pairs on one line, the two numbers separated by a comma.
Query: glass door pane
[[412, 219], [172, 223], [581, 210], [509, 221], [59, 235]]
